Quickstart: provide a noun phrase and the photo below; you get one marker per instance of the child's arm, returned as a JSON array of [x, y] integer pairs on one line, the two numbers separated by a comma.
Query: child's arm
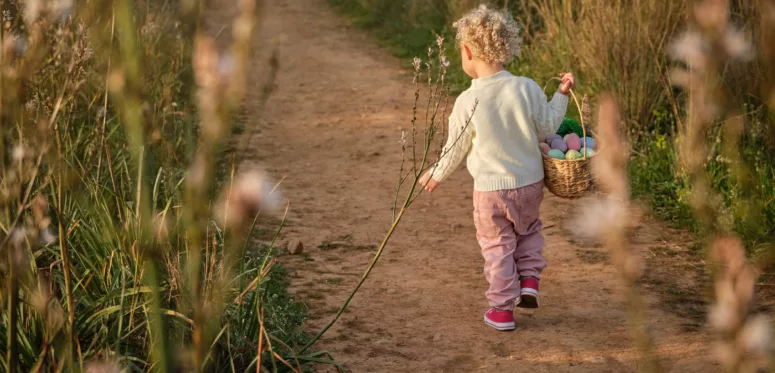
[[455, 150], [548, 116]]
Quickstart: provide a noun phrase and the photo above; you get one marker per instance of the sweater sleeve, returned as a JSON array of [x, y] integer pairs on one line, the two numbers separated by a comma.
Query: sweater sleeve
[[547, 116], [459, 140]]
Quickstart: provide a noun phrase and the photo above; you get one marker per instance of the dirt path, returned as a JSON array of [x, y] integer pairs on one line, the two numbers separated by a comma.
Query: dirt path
[[332, 129]]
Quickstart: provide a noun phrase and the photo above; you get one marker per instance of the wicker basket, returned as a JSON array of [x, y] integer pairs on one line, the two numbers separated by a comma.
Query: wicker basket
[[569, 178]]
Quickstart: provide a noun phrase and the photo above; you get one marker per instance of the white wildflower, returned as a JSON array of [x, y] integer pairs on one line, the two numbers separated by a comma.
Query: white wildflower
[[691, 48], [736, 44], [600, 216], [18, 153], [722, 317], [30, 106], [46, 237], [417, 63], [444, 61], [756, 336], [250, 193], [88, 52], [439, 40], [100, 113], [18, 236]]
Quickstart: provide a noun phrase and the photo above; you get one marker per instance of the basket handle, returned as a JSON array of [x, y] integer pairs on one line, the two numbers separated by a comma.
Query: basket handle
[[576, 100]]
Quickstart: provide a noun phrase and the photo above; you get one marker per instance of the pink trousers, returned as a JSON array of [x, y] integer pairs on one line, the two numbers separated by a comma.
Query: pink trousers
[[509, 232]]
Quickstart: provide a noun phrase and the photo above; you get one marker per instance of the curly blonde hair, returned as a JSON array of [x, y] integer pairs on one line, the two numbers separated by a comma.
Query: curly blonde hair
[[491, 35]]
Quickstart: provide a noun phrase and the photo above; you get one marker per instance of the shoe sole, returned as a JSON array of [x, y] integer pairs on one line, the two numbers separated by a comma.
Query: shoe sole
[[499, 325], [528, 299]]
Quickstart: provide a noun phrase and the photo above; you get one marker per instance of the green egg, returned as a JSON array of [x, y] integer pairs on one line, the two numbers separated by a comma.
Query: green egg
[[556, 153]]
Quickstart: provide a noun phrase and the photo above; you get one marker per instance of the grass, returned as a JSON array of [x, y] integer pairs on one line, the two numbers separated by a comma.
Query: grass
[[110, 247], [607, 45]]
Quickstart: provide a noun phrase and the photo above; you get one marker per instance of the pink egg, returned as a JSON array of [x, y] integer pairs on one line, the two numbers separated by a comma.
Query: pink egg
[[545, 147], [573, 141]]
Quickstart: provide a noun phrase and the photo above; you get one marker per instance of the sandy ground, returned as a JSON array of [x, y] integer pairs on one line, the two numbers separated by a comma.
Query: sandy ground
[[331, 128]]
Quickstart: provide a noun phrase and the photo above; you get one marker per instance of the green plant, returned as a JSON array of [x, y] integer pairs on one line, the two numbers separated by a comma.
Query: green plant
[[110, 251]]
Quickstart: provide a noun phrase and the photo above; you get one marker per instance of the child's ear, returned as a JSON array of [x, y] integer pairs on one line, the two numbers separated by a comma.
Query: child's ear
[[467, 52]]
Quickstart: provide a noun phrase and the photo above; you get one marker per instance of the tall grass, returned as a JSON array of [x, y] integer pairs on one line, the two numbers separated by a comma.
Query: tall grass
[[622, 47], [112, 255]]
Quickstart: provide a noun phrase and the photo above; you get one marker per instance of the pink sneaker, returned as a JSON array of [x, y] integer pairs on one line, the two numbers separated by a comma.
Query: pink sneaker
[[528, 297], [501, 320]]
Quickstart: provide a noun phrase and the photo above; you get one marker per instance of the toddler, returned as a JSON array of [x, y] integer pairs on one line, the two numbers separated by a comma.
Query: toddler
[[500, 144]]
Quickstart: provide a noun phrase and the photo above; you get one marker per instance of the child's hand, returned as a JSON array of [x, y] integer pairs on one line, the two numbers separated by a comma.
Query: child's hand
[[428, 183], [568, 83]]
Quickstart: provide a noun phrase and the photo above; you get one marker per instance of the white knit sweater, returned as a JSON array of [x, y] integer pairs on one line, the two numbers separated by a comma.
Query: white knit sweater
[[501, 140]]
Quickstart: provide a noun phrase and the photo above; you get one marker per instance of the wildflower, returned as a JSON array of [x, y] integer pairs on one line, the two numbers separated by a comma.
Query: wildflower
[[736, 45], [250, 193], [439, 40], [88, 52], [100, 114], [18, 153], [403, 141], [30, 106], [601, 216], [444, 61], [691, 48], [417, 63], [46, 237], [756, 336], [148, 28], [17, 236]]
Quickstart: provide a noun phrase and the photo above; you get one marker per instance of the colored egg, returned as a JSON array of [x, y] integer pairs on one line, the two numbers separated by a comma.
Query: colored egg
[[555, 153], [589, 152], [544, 147], [572, 155], [573, 141], [588, 142], [552, 138], [559, 145]]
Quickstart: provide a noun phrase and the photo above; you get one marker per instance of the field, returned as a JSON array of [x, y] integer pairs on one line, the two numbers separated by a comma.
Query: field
[[162, 164]]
